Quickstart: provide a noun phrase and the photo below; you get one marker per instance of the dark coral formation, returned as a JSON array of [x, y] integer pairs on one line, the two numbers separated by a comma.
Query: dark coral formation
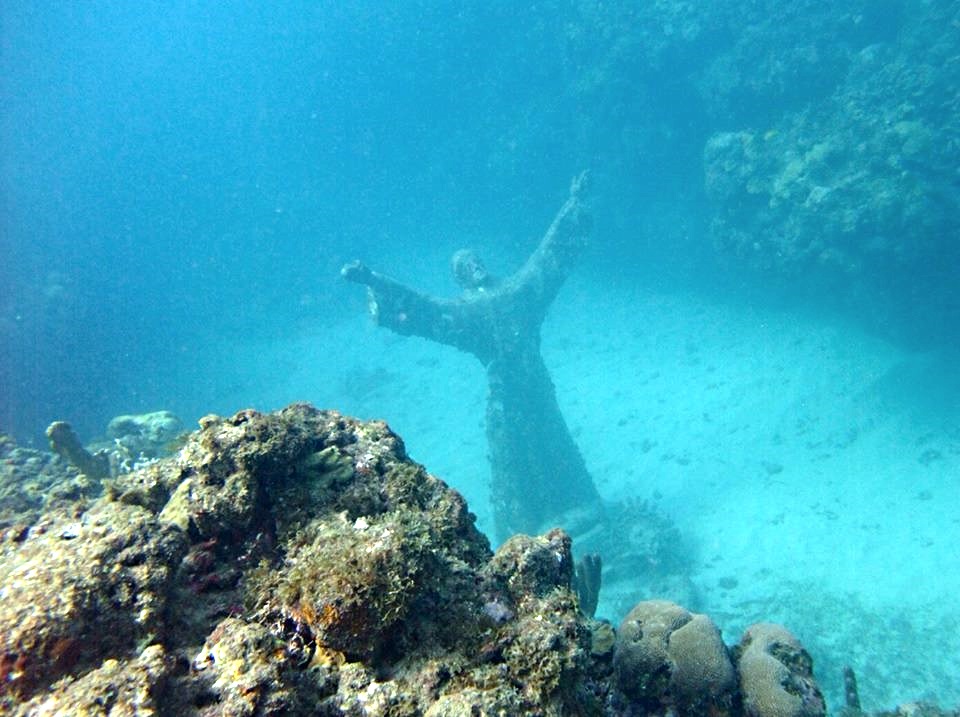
[[829, 132], [298, 563], [833, 163], [826, 137], [857, 183]]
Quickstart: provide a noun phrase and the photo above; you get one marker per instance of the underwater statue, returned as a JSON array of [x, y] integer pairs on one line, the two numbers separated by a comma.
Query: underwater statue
[[538, 477]]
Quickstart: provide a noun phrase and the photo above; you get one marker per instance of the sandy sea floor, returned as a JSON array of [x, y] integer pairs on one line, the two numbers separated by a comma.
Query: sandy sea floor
[[813, 470]]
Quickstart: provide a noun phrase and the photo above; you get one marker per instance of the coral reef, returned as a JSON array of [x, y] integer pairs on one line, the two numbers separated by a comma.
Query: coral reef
[[853, 188], [299, 563], [827, 134], [78, 589], [116, 687]]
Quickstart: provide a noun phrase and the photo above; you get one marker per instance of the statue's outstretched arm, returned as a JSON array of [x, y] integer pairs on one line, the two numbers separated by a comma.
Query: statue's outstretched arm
[[541, 276], [405, 310]]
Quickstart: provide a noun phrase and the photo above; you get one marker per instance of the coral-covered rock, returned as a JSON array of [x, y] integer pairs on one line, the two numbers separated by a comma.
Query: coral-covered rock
[[776, 674], [666, 656], [245, 669], [546, 651], [369, 543], [116, 687], [33, 481], [352, 583], [77, 590], [533, 566]]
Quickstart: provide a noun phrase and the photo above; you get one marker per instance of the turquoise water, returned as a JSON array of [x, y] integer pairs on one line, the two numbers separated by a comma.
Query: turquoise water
[[762, 335]]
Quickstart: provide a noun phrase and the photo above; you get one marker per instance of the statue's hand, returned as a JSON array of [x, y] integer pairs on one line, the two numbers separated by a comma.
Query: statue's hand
[[580, 184], [357, 272]]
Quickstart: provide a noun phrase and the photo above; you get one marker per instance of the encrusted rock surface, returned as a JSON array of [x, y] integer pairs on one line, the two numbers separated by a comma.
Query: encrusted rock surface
[[116, 687], [298, 563], [79, 589]]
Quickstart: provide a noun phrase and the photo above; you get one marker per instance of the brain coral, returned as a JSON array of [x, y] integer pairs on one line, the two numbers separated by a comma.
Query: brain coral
[[776, 674], [666, 655]]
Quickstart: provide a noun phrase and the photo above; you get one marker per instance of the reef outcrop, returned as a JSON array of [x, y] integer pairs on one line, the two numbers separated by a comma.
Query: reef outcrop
[[298, 562], [855, 188]]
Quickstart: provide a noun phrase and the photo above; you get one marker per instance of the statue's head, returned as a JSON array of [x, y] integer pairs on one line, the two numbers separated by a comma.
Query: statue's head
[[469, 271]]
